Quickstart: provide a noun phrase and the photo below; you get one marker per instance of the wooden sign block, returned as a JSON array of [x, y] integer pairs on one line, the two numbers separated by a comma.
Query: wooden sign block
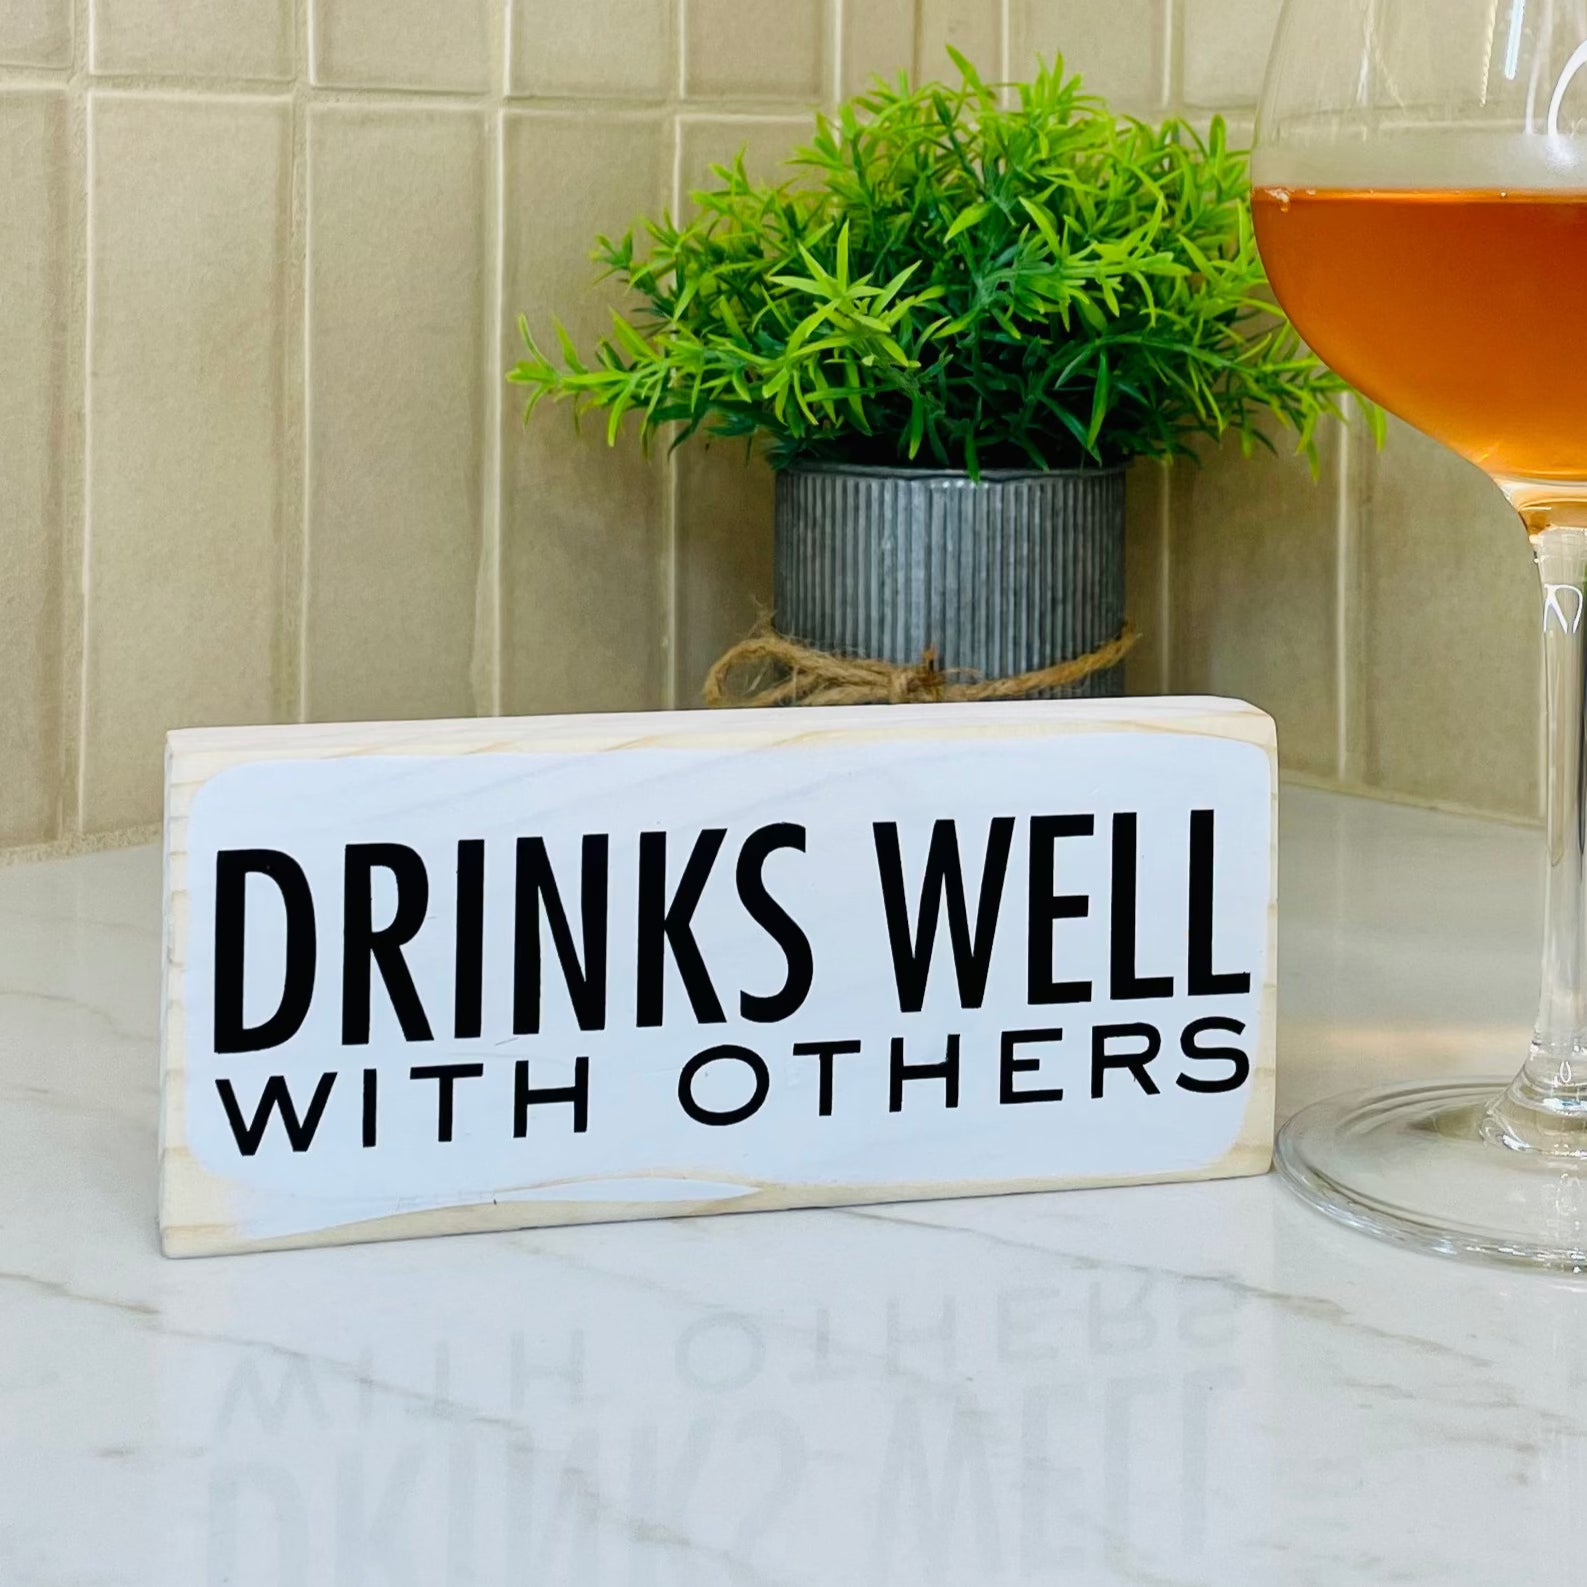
[[431, 977]]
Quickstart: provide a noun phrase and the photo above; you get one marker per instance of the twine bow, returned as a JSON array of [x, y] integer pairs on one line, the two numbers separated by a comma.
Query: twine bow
[[817, 677]]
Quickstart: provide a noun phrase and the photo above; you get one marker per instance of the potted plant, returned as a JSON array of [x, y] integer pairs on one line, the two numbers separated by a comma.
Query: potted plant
[[953, 329]]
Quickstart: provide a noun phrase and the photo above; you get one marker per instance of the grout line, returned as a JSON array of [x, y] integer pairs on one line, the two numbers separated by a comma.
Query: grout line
[[208, 94], [70, 490], [85, 581], [21, 79], [746, 107], [290, 648], [794, 116], [1005, 48], [291, 691], [1165, 595], [835, 13], [493, 486], [185, 86], [670, 487], [769, 108], [306, 473], [1376, 794], [1171, 81], [308, 39], [76, 844], [494, 417]]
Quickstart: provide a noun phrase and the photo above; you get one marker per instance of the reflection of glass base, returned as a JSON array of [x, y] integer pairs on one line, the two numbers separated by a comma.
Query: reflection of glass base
[[1410, 1163]]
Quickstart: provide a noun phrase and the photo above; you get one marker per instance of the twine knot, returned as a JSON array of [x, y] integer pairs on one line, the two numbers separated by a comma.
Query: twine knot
[[770, 669]]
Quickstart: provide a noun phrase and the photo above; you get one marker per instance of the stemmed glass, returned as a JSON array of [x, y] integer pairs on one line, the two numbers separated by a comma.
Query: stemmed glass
[[1421, 206]]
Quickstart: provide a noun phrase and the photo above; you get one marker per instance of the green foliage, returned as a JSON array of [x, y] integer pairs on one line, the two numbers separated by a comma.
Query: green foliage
[[957, 282]]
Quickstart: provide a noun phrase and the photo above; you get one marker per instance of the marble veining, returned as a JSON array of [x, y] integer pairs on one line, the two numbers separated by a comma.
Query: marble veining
[[1170, 1386]]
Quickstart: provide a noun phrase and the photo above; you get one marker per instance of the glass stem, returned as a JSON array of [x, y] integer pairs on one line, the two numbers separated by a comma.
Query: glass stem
[[1545, 1108]]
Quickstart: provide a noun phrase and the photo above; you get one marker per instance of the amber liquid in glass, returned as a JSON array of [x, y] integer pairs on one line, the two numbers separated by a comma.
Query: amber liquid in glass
[[1465, 313]]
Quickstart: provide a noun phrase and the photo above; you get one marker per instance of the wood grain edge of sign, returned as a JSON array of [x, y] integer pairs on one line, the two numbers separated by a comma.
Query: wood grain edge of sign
[[184, 1187], [196, 755], [197, 1212], [196, 1237]]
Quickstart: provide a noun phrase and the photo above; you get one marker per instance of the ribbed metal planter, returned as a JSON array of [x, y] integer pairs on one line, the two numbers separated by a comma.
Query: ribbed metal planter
[[1001, 575]]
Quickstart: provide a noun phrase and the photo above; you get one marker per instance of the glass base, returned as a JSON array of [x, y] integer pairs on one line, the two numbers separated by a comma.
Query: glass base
[[1420, 1165]]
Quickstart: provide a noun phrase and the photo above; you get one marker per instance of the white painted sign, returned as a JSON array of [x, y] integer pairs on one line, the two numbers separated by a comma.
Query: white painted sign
[[433, 977]]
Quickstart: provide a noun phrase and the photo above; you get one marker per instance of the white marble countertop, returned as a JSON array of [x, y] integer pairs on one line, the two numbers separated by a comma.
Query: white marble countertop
[[1193, 1384]]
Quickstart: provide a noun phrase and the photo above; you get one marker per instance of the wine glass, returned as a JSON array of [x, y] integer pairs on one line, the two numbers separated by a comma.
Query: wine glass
[[1420, 173]]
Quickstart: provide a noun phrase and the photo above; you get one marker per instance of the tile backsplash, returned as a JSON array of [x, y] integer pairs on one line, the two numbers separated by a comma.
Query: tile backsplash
[[261, 261]]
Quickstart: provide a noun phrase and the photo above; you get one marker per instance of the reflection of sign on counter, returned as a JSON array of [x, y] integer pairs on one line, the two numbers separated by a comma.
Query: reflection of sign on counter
[[435, 977], [873, 1402]]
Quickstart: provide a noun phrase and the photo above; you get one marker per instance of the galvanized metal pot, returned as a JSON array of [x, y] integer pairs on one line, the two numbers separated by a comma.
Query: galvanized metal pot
[[1004, 574]]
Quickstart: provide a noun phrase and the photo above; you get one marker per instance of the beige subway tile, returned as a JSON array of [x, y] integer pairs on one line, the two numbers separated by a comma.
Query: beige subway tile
[[973, 27], [1253, 576], [724, 519], [582, 597], [403, 43], [573, 177], [878, 41], [724, 498], [1117, 46], [755, 49], [34, 276], [1240, 128], [396, 404], [1449, 707], [724, 553], [1148, 496], [765, 142], [618, 49], [220, 38], [1225, 50], [36, 33], [188, 227]]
